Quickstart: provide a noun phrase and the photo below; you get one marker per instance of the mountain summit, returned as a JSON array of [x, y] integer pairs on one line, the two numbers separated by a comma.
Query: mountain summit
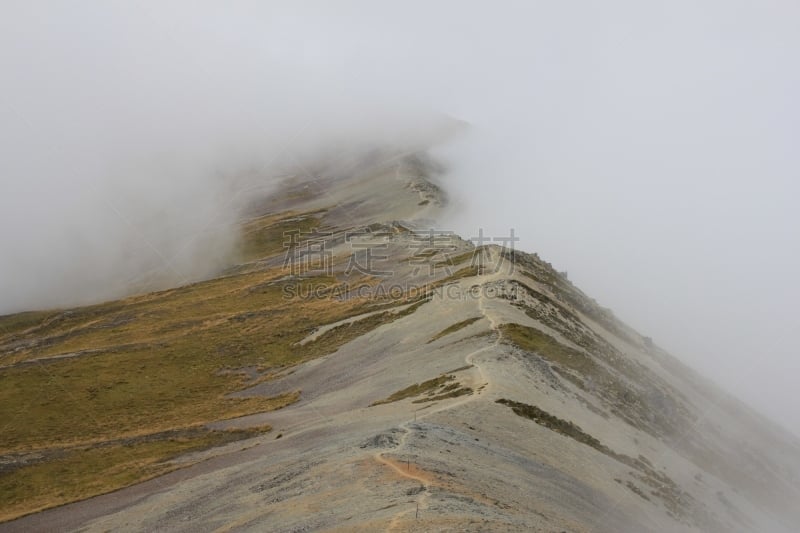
[[358, 368]]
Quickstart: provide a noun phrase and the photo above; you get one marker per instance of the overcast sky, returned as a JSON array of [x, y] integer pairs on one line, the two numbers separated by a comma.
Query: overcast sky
[[648, 148]]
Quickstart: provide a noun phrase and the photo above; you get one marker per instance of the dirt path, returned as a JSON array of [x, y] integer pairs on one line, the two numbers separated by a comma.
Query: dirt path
[[408, 427]]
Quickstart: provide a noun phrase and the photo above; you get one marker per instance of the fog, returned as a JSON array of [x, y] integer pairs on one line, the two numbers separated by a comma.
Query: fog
[[649, 149]]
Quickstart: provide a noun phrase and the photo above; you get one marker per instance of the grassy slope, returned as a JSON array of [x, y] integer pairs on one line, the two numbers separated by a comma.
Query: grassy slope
[[147, 366]]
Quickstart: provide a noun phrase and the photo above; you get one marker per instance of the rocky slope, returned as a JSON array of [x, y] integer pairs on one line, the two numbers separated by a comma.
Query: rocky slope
[[442, 387]]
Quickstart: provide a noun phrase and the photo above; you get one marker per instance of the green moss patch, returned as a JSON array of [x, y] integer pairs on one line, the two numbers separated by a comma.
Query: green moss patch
[[455, 327]]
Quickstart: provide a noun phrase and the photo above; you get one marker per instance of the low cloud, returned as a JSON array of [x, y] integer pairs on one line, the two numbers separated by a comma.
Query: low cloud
[[648, 150]]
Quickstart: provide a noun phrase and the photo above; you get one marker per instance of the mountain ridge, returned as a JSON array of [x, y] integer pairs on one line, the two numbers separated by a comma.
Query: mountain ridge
[[484, 356]]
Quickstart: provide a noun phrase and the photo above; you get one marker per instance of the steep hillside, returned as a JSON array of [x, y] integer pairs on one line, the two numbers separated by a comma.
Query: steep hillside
[[358, 370]]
